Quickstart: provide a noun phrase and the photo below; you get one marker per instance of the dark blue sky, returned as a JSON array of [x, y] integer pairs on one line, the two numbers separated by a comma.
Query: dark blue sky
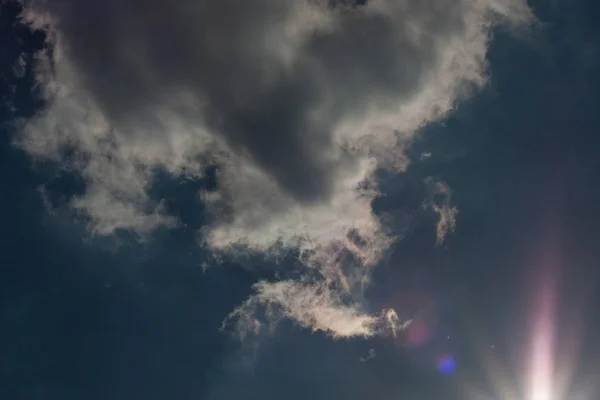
[[84, 318]]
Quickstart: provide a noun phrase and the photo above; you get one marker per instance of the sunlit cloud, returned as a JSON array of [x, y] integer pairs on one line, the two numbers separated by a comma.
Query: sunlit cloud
[[297, 105]]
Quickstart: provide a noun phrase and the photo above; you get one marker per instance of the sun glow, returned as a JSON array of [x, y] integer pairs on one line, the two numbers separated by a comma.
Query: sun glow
[[550, 327], [542, 349]]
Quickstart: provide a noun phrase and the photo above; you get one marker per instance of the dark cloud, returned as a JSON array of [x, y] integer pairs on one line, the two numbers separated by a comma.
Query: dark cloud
[[134, 54], [297, 104]]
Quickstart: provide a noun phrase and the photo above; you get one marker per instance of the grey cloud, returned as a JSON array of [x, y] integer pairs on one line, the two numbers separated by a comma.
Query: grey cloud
[[134, 54], [298, 103]]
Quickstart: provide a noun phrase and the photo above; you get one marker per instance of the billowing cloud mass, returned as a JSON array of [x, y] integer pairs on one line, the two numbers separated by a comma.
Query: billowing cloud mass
[[296, 103]]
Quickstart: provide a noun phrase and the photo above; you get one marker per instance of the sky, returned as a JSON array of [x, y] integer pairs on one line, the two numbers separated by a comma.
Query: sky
[[386, 199]]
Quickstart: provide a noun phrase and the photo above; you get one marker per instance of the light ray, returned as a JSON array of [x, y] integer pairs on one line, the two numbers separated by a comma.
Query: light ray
[[542, 346]]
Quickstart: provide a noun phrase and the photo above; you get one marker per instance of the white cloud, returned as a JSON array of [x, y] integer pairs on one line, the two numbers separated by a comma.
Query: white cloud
[[297, 103], [316, 306]]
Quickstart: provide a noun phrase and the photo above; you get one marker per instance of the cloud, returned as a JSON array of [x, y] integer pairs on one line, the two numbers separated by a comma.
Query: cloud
[[441, 195], [447, 221], [371, 354], [313, 306], [296, 104]]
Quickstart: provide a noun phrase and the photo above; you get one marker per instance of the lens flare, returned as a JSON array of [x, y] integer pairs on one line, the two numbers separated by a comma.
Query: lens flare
[[549, 332], [446, 365]]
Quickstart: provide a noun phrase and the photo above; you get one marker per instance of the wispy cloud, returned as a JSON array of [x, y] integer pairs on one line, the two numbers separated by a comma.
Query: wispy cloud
[[441, 196], [297, 103], [316, 306]]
